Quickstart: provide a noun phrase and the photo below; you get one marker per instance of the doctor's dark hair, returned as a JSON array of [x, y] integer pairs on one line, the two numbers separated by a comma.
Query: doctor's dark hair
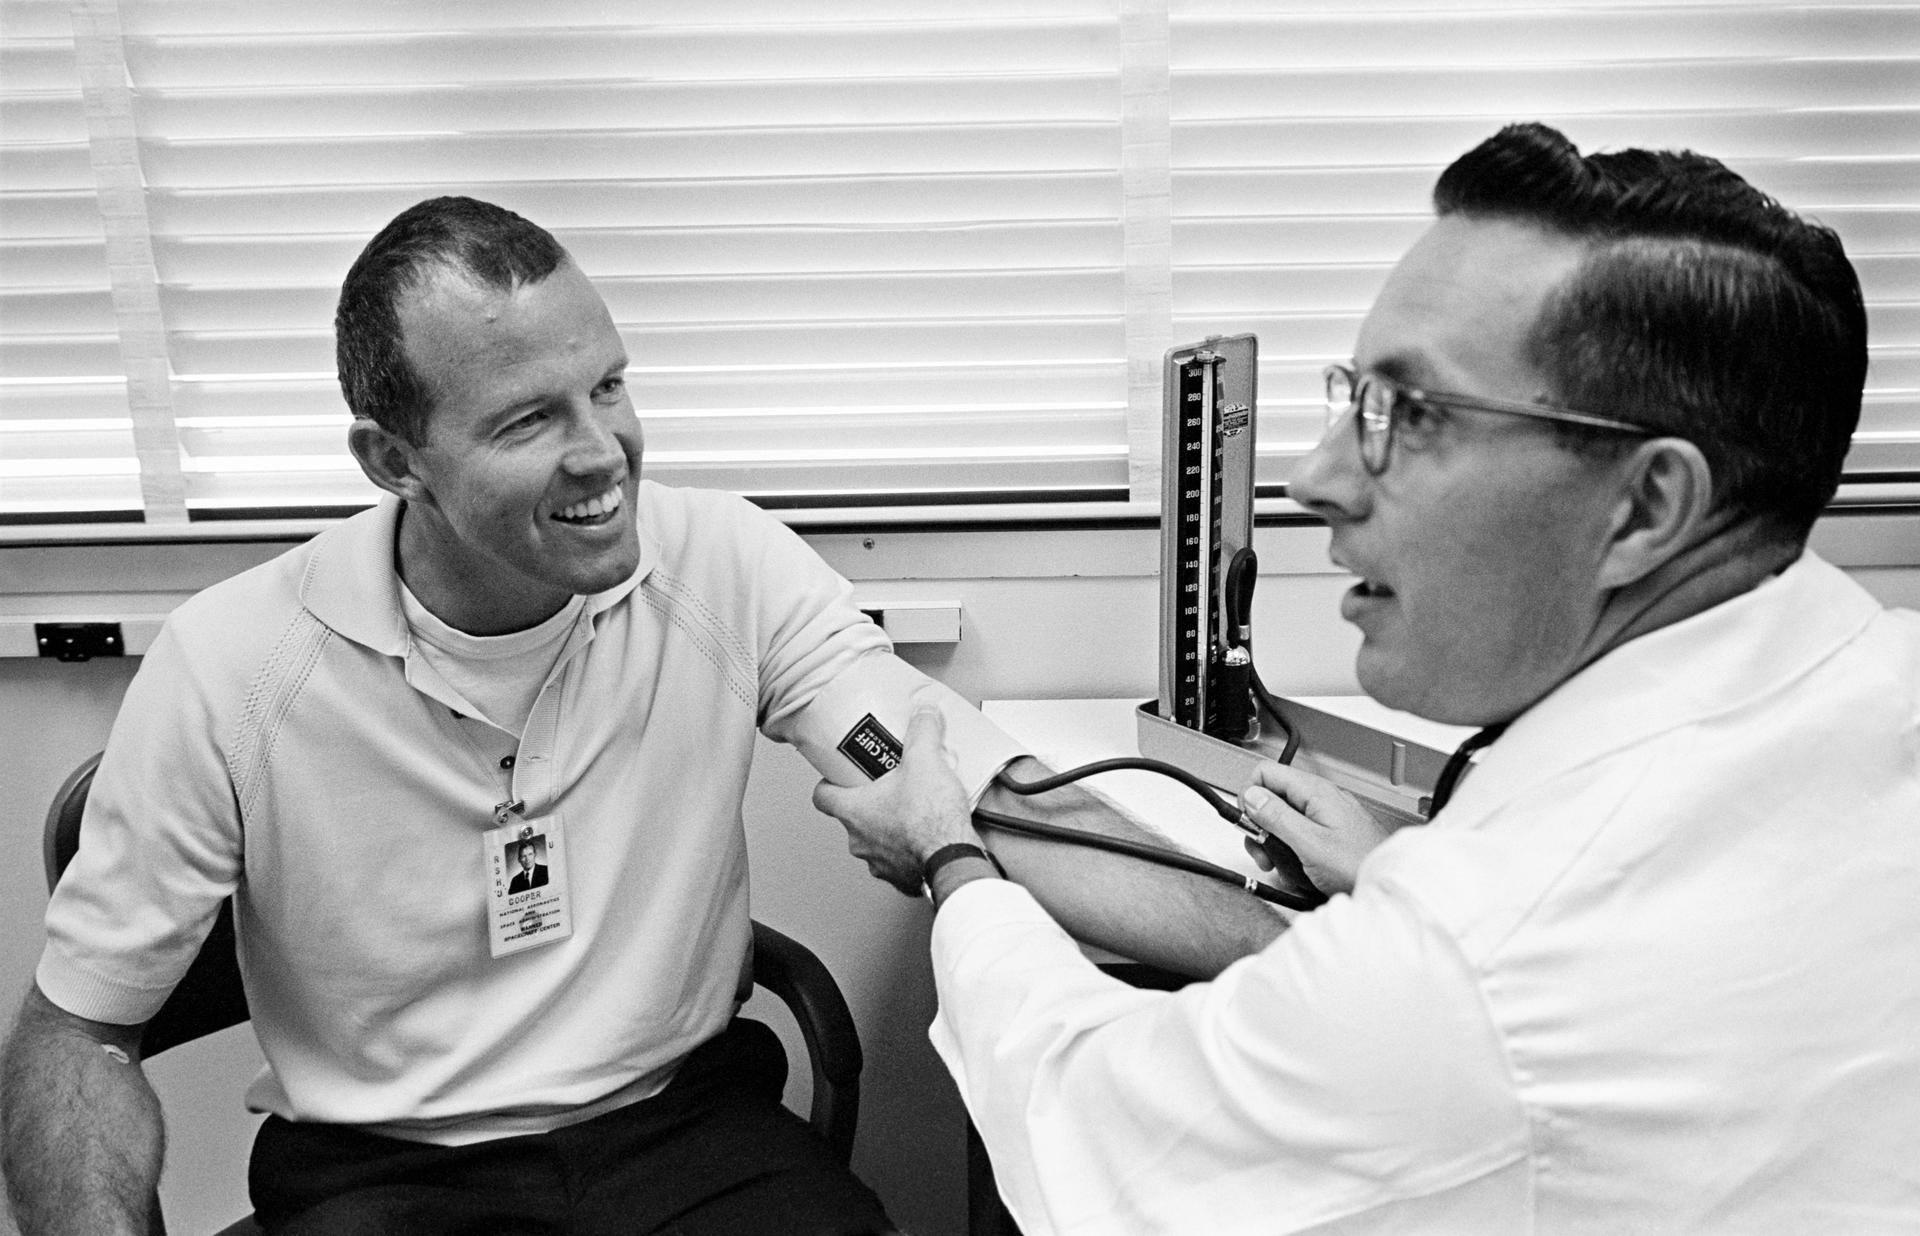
[[1701, 308], [485, 243]]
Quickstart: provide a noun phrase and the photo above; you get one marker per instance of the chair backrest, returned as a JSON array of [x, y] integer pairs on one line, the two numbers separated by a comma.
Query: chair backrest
[[212, 998]]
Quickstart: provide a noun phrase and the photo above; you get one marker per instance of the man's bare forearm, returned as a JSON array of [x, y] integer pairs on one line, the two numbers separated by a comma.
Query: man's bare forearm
[[1168, 918], [82, 1136]]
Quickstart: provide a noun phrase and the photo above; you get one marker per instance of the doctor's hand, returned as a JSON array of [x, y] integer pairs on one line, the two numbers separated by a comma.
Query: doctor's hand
[[895, 823], [1326, 826]]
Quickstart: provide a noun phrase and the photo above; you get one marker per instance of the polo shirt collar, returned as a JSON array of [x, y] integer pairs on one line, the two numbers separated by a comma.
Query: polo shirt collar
[[1711, 663], [352, 583]]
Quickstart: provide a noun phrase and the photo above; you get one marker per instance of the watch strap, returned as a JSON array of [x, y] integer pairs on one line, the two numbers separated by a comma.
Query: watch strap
[[950, 853]]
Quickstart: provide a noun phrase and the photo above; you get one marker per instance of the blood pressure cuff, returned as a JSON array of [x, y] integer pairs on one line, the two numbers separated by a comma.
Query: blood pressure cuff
[[852, 729]]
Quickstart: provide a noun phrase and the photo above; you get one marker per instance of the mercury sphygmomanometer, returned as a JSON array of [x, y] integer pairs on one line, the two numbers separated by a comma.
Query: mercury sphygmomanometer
[[1211, 698], [1205, 730]]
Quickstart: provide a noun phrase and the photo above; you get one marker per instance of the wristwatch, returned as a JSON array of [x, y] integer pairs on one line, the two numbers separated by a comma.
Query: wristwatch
[[949, 853]]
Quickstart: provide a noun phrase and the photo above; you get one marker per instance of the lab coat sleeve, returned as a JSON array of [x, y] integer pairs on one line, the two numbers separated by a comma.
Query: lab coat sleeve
[[1348, 1065]]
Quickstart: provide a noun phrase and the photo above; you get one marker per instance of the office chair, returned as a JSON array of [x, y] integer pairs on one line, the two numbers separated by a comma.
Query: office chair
[[211, 998]]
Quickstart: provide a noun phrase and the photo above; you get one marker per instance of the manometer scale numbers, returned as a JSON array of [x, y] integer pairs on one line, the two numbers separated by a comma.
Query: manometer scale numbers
[[1197, 508], [1207, 566]]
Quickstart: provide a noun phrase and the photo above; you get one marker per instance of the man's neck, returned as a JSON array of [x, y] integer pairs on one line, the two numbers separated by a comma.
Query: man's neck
[[1729, 562], [433, 564]]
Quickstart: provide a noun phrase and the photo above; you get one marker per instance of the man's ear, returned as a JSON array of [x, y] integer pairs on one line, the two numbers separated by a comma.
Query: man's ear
[[1663, 508], [389, 460]]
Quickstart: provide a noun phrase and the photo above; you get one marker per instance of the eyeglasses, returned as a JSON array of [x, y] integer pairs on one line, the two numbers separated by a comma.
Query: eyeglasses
[[1388, 410]]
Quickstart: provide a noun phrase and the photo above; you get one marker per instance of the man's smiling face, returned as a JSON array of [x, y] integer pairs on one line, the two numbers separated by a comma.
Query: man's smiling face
[[524, 487], [1477, 554]]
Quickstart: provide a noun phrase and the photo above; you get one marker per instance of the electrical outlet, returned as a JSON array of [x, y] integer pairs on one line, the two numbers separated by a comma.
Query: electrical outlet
[[79, 641]]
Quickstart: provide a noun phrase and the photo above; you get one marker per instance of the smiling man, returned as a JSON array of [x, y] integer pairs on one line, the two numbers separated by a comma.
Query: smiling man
[[524, 642], [516, 504], [1652, 967]]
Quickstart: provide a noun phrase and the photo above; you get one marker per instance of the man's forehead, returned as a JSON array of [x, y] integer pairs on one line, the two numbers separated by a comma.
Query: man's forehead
[[515, 343], [445, 288], [1459, 307]]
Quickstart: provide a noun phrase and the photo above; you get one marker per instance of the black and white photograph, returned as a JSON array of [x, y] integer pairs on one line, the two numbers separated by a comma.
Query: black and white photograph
[[918, 618], [529, 869]]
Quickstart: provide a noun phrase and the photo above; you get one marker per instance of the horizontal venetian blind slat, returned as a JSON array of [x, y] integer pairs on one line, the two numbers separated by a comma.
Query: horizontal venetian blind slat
[[657, 199], [252, 483], [768, 151], [279, 112], [1731, 136], [284, 18], [281, 261], [718, 298], [612, 52], [1390, 37], [1278, 189], [932, 342], [1348, 92]]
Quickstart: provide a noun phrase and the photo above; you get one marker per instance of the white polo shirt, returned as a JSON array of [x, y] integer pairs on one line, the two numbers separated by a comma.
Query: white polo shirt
[[286, 742]]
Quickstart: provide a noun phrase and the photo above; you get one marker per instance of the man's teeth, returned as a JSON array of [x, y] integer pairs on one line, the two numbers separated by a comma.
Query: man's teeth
[[594, 507], [1369, 588]]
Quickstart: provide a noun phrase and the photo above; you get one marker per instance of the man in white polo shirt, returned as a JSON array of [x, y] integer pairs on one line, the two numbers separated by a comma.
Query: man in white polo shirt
[[1656, 965], [524, 642]]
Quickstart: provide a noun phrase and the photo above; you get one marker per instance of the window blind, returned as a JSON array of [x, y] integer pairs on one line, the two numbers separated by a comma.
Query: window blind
[[1307, 137], [870, 252], [862, 252], [66, 430]]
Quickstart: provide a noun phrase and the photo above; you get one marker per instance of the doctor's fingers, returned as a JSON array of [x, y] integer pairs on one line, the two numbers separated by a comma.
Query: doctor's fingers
[[873, 808], [899, 806], [1294, 805], [896, 868]]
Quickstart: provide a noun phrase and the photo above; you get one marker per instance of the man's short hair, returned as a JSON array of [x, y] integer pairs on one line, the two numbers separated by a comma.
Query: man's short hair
[[485, 243], [1702, 308]]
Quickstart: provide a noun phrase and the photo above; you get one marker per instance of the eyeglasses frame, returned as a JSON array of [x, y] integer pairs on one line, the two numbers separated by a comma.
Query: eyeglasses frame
[[1364, 430]]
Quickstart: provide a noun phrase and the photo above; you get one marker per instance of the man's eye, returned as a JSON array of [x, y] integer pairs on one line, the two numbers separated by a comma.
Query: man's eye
[[1419, 420], [612, 388], [525, 424]]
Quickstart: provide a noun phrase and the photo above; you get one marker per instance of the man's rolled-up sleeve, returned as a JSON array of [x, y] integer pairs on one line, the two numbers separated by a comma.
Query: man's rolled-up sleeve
[[831, 686], [852, 727]]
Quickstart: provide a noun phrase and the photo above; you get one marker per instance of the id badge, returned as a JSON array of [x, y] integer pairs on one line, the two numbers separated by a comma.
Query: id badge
[[527, 900]]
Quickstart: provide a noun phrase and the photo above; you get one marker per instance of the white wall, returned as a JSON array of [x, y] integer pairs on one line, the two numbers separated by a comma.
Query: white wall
[[1051, 614]]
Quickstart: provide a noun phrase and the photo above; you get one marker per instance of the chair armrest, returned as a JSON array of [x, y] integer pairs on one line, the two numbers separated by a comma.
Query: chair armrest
[[790, 971]]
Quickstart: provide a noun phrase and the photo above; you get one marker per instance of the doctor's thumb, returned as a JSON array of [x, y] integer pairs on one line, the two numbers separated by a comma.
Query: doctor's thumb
[[828, 799], [1273, 813], [927, 726], [1260, 803]]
